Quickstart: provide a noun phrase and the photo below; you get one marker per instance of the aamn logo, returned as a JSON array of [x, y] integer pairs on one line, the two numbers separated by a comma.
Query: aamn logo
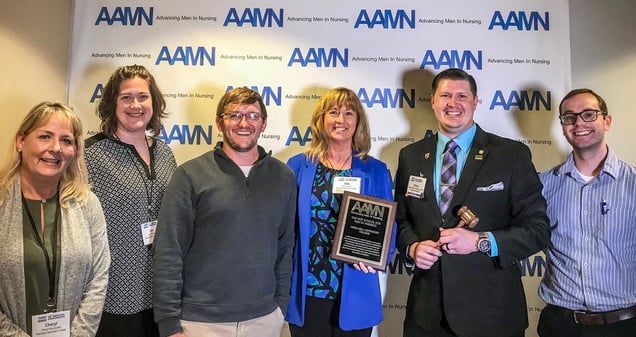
[[187, 55], [387, 98], [387, 19], [464, 59], [320, 57], [523, 100], [125, 16], [520, 20], [368, 209], [184, 135], [255, 17]]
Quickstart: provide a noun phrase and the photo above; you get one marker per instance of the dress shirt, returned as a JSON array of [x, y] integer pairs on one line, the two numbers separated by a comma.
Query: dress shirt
[[591, 258], [464, 140]]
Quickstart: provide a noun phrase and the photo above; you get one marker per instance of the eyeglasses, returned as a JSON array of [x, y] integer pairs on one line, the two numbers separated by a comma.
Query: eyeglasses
[[586, 115], [349, 114], [237, 116]]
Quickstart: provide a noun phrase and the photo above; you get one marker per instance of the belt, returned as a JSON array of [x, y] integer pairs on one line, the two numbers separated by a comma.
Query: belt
[[596, 318]]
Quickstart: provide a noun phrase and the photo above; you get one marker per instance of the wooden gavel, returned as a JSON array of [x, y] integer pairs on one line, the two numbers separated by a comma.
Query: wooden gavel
[[467, 217]]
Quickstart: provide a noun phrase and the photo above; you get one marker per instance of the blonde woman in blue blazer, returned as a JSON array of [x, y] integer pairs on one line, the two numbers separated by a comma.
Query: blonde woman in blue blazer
[[331, 298]]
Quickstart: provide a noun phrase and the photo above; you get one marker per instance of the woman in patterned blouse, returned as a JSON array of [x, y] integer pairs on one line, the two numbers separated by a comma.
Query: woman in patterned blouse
[[329, 297], [129, 169]]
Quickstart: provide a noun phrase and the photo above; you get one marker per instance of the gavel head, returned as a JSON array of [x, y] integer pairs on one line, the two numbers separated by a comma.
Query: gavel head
[[467, 217]]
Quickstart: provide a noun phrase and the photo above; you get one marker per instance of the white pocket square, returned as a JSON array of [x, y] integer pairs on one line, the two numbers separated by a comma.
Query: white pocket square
[[491, 188]]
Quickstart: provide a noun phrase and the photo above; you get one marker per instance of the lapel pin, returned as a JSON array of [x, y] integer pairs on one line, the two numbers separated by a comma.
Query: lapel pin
[[427, 155]]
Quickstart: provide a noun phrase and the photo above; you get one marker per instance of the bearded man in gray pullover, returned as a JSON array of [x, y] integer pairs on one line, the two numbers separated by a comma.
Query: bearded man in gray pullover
[[222, 257]]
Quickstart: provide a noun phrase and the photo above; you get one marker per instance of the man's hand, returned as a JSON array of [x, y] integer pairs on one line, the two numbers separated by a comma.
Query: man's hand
[[458, 240], [425, 253]]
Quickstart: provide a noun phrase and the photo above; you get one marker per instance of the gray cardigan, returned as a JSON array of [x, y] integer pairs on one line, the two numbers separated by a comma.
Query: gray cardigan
[[85, 259]]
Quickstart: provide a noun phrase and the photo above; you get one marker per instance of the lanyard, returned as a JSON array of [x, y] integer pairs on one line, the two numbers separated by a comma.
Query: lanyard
[[144, 179], [50, 267], [143, 176]]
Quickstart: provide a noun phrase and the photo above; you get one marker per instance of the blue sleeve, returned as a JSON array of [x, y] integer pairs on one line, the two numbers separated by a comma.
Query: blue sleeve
[[493, 245]]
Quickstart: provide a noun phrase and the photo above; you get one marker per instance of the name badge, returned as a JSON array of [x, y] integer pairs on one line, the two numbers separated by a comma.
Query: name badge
[[148, 232], [341, 184], [52, 324], [416, 187]]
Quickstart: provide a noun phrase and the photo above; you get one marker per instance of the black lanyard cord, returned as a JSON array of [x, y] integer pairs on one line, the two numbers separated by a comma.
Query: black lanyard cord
[[50, 267], [143, 176], [144, 179]]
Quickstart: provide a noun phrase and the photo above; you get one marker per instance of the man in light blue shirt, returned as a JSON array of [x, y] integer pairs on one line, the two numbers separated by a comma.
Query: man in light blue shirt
[[590, 281], [467, 280]]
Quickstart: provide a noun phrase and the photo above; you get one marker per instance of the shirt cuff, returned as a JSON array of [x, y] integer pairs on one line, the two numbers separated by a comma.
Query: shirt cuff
[[408, 262], [494, 251]]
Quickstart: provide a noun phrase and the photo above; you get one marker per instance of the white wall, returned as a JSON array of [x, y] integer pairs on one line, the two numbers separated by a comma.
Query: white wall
[[34, 42], [604, 59]]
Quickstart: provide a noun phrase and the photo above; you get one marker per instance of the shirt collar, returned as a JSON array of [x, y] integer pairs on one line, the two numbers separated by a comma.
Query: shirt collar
[[463, 140], [611, 165]]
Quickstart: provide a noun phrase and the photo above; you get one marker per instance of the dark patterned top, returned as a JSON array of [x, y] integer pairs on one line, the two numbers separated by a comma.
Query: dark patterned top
[[325, 273], [130, 193]]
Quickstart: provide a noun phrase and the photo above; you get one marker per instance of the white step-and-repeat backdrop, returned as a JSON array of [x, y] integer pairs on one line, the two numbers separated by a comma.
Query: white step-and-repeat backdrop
[[293, 51]]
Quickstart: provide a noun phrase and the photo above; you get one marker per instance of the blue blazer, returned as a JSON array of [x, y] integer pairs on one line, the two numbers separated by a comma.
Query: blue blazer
[[361, 305]]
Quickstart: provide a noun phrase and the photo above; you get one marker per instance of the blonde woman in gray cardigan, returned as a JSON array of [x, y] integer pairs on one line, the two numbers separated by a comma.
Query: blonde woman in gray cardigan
[[54, 253]]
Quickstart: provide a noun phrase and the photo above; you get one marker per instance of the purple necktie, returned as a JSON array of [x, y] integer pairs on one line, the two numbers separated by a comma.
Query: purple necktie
[[449, 177]]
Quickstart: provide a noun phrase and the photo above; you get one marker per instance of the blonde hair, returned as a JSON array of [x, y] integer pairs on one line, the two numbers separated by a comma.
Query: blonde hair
[[74, 181], [337, 97]]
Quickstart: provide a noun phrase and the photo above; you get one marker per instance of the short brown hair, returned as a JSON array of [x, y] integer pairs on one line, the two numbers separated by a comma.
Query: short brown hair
[[241, 95], [601, 102], [106, 108]]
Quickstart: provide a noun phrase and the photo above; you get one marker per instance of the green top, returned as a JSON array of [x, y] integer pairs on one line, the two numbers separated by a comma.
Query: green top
[[35, 270]]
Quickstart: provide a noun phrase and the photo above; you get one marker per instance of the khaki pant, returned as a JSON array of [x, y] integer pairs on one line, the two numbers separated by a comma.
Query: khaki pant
[[269, 325]]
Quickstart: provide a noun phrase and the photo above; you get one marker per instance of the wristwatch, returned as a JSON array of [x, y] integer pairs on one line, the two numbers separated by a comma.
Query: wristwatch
[[483, 243]]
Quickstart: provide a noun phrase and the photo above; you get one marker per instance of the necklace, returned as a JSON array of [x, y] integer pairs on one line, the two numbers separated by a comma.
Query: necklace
[[343, 164]]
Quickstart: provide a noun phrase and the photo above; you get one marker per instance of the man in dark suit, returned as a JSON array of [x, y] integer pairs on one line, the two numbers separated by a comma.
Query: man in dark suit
[[467, 280]]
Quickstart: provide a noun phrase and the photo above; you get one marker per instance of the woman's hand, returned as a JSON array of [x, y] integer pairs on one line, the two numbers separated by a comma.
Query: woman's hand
[[363, 268]]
